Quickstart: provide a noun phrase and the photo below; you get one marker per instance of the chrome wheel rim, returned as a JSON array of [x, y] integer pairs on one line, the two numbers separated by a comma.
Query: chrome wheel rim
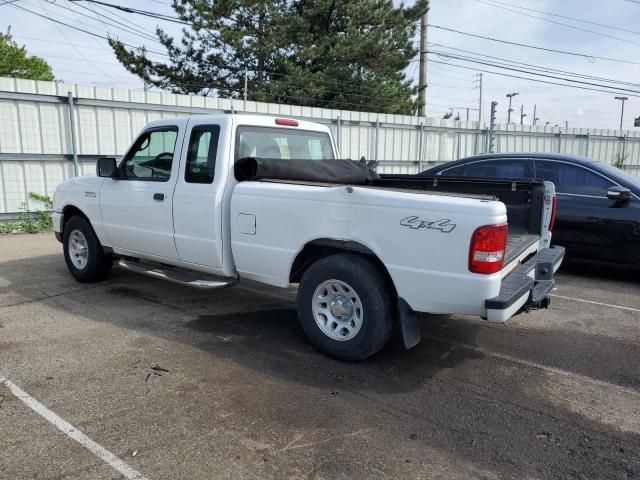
[[337, 310], [78, 249]]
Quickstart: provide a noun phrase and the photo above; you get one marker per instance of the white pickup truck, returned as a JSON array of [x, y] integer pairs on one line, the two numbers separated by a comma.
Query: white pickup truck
[[207, 200]]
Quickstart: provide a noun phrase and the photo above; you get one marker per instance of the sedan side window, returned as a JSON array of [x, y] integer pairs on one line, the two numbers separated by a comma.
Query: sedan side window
[[151, 157], [514, 168], [573, 179]]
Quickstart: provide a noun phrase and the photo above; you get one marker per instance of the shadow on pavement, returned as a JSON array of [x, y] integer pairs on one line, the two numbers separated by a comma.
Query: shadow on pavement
[[444, 393]]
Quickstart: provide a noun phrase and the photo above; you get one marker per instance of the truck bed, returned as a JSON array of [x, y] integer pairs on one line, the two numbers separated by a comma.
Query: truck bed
[[517, 243], [524, 200]]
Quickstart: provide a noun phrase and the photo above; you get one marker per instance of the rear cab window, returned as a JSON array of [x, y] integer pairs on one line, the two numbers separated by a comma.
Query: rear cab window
[[282, 144]]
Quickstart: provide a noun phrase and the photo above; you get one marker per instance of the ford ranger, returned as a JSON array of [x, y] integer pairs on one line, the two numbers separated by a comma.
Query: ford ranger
[[207, 200]]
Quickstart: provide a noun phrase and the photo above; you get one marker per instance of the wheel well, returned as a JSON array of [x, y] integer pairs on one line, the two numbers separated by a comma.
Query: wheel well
[[70, 211], [321, 248]]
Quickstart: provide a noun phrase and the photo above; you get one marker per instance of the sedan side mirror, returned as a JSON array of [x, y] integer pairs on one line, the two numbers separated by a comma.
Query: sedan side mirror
[[107, 167], [619, 194]]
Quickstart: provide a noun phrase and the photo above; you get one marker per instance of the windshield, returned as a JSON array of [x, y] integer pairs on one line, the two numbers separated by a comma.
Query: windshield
[[283, 143], [626, 177]]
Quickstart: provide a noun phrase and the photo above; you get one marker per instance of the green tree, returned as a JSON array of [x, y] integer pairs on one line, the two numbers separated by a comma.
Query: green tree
[[225, 38], [15, 62], [348, 54]]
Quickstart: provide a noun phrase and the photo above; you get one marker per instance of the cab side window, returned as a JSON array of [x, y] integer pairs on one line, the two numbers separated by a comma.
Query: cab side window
[[201, 156], [151, 157]]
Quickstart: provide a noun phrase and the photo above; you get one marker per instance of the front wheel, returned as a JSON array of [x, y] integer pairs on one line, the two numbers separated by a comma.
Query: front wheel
[[346, 307], [83, 253]]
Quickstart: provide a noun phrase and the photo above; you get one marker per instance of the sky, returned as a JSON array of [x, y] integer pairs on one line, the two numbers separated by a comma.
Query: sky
[[78, 57]]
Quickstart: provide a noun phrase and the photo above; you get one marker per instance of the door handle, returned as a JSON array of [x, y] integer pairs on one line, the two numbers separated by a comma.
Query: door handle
[[158, 196]]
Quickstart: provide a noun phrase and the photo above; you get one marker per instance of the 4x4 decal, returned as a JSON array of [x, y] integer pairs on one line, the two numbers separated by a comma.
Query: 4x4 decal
[[415, 223]]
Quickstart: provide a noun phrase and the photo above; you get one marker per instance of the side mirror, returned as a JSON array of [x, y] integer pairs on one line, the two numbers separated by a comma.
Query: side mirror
[[107, 167], [619, 194]]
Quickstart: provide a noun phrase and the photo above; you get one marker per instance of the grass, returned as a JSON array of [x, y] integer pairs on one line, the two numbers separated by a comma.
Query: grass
[[28, 221]]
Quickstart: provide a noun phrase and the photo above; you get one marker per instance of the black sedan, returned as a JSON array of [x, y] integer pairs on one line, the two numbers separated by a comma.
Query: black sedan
[[598, 210]]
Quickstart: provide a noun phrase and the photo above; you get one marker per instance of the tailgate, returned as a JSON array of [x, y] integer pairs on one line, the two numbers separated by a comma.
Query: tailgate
[[528, 285]]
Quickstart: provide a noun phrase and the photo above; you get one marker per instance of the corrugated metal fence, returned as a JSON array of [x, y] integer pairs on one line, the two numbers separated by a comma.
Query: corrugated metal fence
[[39, 148]]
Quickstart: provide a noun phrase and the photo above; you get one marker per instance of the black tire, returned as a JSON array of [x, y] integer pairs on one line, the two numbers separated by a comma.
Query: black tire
[[375, 294], [98, 264]]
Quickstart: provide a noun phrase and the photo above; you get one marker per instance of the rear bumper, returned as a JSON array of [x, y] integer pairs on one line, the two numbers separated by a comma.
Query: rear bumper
[[529, 285]]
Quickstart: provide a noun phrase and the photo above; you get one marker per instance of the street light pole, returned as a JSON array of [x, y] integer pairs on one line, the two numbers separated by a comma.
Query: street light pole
[[522, 114], [622, 99], [510, 97]]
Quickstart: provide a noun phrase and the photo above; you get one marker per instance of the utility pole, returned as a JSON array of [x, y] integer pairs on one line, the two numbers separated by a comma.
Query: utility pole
[[422, 78], [535, 119], [522, 114], [566, 124], [467, 114], [622, 99], [145, 84], [510, 97], [480, 100]]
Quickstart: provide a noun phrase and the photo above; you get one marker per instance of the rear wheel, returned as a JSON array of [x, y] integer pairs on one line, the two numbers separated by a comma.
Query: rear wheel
[[83, 252], [346, 307]]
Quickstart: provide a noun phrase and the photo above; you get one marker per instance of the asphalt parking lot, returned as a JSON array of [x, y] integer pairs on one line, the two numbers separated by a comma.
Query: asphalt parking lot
[[165, 382]]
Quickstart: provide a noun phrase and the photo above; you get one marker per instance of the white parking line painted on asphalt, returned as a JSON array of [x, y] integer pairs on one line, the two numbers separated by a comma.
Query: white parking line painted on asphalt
[[73, 433], [597, 303], [538, 366]]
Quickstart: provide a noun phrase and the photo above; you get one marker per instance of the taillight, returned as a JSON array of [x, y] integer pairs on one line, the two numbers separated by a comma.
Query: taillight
[[286, 122], [486, 253], [553, 213]]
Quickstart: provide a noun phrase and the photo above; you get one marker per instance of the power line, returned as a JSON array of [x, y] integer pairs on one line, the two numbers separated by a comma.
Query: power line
[[146, 13], [567, 18], [529, 72], [536, 73], [116, 17], [81, 29], [558, 23], [530, 79], [590, 58], [74, 47], [536, 67], [104, 19]]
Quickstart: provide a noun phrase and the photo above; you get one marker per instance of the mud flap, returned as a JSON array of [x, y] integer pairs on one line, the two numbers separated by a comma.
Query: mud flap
[[410, 323]]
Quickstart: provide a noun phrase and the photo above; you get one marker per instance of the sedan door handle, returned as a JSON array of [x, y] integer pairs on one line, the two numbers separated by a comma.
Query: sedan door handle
[[158, 196]]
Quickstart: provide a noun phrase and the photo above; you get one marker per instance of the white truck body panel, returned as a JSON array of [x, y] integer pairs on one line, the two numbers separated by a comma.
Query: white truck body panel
[[425, 264]]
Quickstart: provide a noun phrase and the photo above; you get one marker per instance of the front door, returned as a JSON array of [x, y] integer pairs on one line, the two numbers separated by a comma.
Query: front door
[[584, 215], [137, 208]]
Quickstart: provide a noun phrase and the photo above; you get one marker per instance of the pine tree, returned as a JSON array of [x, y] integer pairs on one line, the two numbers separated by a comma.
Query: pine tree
[[348, 54], [225, 37]]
